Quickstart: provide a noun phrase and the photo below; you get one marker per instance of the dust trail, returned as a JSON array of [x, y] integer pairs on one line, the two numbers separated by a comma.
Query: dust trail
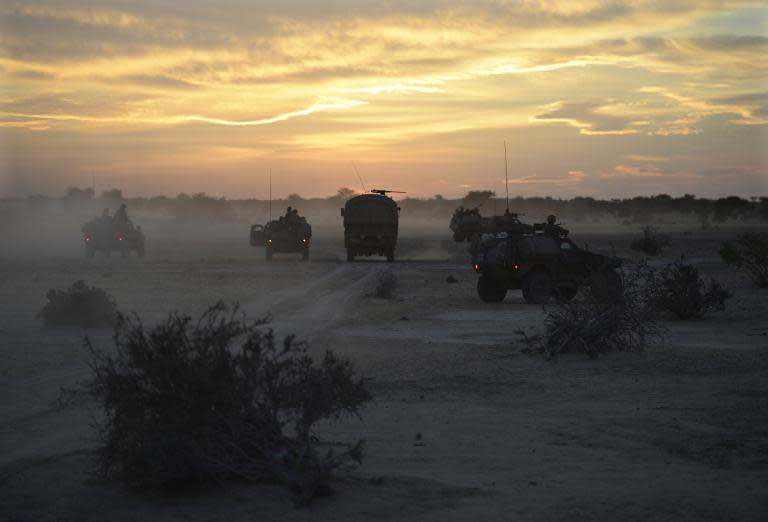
[[306, 310]]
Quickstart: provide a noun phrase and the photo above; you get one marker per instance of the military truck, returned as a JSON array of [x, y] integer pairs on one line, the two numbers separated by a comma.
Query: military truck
[[545, 264], [288, 234], [104, 234], [371, 225]]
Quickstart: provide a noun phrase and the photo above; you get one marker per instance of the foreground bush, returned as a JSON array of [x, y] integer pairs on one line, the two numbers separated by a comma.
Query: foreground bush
[[749, 253], [679, 290], [593, 326], [651, 242], [196, 401], [79, 306]]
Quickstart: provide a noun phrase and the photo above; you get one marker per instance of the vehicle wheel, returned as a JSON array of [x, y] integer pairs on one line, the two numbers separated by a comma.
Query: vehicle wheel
[[537, 287], [390, 255], [490, 291], [89, 252], [565, 293], [268, 253], [350, 255], [305, 253], [607, 286], [458, 237]]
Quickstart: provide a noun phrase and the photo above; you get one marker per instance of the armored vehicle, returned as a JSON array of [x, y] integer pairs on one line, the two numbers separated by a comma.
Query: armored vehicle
[[545, 264], [370, 225], [105, 234], [288, 234], [469, 225]]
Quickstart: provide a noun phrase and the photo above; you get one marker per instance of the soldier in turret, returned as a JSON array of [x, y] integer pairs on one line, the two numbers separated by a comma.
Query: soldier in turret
[[551, 228], [121, 216]]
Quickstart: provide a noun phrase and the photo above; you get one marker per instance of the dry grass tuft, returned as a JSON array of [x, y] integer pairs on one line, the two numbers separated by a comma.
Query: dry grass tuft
[[650, 242]]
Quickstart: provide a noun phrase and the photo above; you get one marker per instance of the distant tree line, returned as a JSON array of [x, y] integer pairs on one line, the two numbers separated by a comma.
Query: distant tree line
[[639, 209]]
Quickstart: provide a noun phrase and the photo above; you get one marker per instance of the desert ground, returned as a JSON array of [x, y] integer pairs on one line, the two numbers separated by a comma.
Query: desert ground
[[464, 424]]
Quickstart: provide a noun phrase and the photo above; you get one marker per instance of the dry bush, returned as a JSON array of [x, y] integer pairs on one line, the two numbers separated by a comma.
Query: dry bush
[[679, 290], [750, 254], [587, 324], [384, 284], [197, 401], [79, 306], [651, 242]]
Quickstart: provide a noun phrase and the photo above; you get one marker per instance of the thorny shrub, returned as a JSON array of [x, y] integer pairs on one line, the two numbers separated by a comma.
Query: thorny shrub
[[750, 254], [593, 326], [651, 242], [198, 401], [80, 306], [679, 290]]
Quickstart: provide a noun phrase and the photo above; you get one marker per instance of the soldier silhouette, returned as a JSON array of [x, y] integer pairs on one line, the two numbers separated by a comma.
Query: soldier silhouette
[[121, 217]]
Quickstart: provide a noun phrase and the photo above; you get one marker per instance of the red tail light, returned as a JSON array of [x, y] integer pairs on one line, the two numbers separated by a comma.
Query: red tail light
[[476, 266], [516, 266], [120, 238], [87, 237]]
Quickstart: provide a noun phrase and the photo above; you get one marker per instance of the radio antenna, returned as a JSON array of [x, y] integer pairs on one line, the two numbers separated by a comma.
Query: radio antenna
[[359, 177], [270, 194], [506, 174]]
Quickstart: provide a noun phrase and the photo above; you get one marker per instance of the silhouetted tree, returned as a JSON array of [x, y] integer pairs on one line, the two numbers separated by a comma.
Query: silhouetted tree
[[79, 193], [476, 198], [344, 193], [112, 194]]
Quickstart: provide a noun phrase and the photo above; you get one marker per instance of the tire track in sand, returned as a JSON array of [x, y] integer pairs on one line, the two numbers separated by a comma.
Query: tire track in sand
[[312, 307]]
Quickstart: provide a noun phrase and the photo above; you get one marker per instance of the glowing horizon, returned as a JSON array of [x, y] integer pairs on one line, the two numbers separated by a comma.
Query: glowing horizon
[[596, 99]]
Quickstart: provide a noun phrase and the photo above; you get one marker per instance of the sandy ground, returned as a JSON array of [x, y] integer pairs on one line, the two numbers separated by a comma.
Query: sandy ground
[[679, 432]]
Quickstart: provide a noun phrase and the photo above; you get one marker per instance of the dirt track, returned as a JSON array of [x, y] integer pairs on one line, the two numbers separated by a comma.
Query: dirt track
[[677, 433]]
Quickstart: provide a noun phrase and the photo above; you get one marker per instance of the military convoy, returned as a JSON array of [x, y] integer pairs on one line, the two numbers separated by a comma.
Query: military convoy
[[371, 225], [109, 234], [288, 234], [539, 259]]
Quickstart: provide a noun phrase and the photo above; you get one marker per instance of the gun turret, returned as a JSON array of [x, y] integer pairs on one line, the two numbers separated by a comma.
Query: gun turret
[[383, 192]]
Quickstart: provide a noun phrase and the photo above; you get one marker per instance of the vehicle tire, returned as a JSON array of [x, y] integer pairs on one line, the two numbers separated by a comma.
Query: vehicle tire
[[459, 237], [537, 287], [564, 293], [268, 253], [390, 255], [607, 286], [350, 255], [490, 291], [305, 254], [89, 252]]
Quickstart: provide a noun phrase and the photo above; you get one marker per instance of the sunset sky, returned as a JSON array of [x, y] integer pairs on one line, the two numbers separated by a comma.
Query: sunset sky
[[597, 98]]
